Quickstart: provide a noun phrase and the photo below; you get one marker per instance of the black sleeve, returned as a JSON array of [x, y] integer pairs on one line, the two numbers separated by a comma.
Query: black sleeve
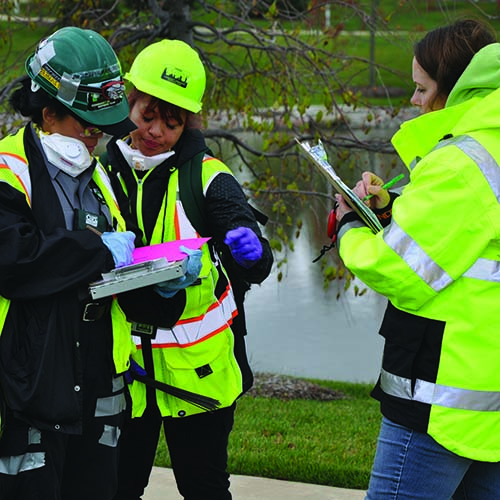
[[228, 209], [144, 305], [35, 264]]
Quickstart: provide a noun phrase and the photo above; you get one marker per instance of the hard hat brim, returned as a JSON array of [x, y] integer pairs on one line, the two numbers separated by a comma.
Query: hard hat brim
[[120, 129], [113, 120]]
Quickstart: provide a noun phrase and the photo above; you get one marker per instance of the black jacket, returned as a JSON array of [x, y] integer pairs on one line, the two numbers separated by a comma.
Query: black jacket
[[45, 270]]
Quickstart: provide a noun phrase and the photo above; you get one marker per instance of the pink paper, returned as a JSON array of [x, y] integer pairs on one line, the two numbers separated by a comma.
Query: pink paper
[[170, 250]]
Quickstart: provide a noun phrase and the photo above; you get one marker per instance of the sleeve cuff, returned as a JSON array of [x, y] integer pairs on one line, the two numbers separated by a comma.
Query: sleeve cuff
[[384, 215], [348, 217]]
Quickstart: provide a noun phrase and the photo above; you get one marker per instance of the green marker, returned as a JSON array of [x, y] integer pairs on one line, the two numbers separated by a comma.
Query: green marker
[[387, 185]]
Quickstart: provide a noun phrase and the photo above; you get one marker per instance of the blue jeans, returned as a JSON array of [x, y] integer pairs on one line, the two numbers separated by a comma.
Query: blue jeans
[[411, 465]]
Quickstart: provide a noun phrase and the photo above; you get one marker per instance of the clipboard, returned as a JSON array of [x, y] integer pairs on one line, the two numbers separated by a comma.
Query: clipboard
[[136, 276], [318, 155], [152, 264]]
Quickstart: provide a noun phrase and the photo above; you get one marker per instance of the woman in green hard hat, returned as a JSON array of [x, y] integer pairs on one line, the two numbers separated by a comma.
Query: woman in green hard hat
[[191, 333], [62, 355]]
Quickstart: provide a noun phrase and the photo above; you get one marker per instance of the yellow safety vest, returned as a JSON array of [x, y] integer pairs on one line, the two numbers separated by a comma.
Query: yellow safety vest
[[196, 354], [14, 170]]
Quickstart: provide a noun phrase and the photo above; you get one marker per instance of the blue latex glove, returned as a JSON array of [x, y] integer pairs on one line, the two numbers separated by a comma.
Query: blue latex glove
[[245, 246], [169, 288], [134, 368], [121, 246]]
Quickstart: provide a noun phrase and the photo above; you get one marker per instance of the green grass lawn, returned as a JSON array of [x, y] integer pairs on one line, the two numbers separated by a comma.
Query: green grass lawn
[[319, 442]]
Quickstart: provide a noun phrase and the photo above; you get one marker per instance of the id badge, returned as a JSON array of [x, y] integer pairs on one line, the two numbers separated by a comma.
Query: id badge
[[84, 218], [143, 330]]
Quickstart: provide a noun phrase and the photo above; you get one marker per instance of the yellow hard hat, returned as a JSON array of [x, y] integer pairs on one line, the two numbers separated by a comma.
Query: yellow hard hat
[[172, 71]]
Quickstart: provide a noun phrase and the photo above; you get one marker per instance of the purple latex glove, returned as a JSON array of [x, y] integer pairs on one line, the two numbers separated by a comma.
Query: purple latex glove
[[245, 246]]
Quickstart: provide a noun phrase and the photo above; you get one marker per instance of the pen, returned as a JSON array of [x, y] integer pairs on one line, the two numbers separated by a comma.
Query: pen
[[94, 230], [387, 185]]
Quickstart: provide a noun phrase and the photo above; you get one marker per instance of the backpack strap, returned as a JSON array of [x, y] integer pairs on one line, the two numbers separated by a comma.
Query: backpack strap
[[191, 192], [260, 217]]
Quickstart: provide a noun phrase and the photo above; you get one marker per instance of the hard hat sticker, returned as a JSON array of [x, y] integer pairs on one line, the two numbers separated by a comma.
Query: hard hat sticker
[[175, 76], [110, 94]]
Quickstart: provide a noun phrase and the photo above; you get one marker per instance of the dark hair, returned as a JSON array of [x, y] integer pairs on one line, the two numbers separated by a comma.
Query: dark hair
[[166, 109], [445, 52], [31, 104]]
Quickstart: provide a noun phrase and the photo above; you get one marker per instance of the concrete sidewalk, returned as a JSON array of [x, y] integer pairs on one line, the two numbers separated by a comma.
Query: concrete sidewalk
[[162, 487]]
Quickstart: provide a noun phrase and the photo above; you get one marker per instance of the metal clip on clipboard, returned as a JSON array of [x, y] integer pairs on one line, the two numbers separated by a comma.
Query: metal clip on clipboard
[[135, 276]]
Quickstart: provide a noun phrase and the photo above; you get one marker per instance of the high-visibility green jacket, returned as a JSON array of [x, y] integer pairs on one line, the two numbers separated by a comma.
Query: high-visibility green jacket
[[438, 263], [44, 271]]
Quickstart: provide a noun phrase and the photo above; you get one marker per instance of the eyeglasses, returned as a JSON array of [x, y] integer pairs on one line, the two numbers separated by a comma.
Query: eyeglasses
[[89, 130]]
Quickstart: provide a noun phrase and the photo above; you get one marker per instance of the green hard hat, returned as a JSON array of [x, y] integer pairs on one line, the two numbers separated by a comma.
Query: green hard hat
[[80, 69], [172, 71]]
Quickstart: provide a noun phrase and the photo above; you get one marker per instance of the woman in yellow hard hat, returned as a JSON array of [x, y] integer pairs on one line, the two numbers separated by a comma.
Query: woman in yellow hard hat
[[190, 333]]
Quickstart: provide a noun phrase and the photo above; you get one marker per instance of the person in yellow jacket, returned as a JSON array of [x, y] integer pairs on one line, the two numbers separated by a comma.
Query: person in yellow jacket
[[437, 260], [62, 355], [189, 334]]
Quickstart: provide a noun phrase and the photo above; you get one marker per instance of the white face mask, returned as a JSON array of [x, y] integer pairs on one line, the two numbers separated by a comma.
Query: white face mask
[[67, 153], [137, 160]]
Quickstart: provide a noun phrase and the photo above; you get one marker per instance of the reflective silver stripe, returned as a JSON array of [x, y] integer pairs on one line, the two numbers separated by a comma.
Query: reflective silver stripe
[[34, 436], [21, 463], [394, 385], [192, 331], [439, 395], [111, 405], [409, 250], [118, 384], [186, 230], [484, 269], [20, 169], [186, 333], [110, 436], [483, 159]]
